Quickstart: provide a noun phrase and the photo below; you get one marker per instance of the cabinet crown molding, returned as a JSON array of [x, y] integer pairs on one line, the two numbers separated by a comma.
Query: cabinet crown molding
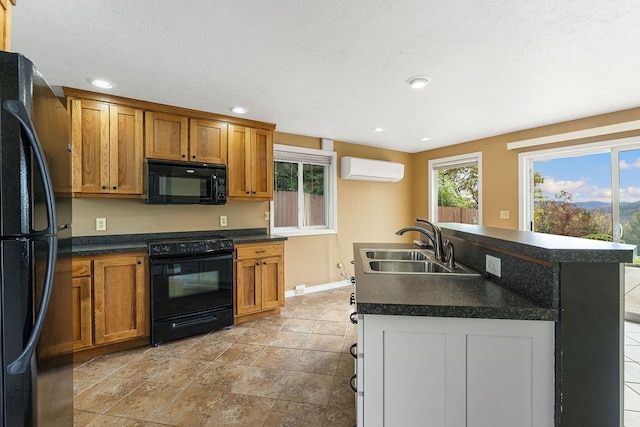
[[152, 106]]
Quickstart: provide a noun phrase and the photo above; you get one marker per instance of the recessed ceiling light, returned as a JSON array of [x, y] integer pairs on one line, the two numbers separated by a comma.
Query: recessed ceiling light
[[379, 129], [426, 138], [101, 83], [418, 82], [239, 110]]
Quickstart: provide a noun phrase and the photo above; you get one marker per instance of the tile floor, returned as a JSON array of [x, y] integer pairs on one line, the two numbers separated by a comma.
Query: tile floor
[[631, 374], [286, 370]]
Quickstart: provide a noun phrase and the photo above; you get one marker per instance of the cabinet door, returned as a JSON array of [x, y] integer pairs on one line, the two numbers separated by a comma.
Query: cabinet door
[[166, 136], [239, 169], [125, 146], [90, 139], [81, 312], [120, 298], [457, 371], [248, 286], [272, 282], [5, 24], [262, 164], [208, 141]]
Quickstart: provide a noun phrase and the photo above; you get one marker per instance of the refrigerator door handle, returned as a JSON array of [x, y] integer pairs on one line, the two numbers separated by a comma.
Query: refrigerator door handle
[[18, 110]]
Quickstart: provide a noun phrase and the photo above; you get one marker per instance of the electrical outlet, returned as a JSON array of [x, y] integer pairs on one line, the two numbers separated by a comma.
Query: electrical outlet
[[493, 265], [223, 220], [101, 224], [267, 215], [504, 214]]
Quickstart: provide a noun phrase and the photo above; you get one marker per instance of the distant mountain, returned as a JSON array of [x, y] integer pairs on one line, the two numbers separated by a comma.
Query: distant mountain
[[593, 205], [627, 209]]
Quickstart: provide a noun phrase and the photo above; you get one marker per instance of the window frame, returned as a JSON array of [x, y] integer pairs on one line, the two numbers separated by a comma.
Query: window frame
[[452, 162], [331, 193], [525, 170]]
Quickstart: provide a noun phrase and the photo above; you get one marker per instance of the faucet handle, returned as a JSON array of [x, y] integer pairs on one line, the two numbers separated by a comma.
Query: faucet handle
[[450, 259]]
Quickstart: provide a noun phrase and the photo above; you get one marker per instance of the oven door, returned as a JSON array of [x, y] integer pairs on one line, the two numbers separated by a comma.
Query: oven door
[[182, 286]]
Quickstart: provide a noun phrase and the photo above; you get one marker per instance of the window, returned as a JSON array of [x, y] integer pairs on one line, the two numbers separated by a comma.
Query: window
[[455, 190], [304, 196], [587, 190]]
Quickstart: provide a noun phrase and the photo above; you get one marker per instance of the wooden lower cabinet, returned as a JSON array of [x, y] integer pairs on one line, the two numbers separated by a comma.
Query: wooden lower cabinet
[[81, 291], [110, 300], [259, 273]]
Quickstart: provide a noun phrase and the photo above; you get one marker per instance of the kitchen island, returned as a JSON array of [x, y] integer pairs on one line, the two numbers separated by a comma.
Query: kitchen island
[[539, 345]]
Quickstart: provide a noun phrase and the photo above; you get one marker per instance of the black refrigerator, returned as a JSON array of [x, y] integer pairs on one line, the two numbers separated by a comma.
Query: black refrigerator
[[35, 251]]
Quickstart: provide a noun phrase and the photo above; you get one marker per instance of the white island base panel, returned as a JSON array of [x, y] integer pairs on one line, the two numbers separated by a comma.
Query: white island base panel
[[454, 372]]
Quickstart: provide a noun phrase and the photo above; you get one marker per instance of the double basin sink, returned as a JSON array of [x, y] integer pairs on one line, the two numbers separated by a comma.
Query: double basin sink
[[409, 261]]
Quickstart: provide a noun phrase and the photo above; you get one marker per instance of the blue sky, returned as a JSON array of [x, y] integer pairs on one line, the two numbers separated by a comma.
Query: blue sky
[[588, 178]]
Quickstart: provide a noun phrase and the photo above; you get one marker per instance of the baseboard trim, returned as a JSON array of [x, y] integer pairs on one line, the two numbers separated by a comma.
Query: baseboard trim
[[319, 288]]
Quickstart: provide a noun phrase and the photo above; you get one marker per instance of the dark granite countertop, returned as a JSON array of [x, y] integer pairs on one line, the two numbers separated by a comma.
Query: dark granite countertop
[[123, 243], [438, 296], [546, 247]]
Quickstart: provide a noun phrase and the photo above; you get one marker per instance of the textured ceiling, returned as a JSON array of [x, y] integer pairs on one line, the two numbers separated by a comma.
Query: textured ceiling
[[338, 68]]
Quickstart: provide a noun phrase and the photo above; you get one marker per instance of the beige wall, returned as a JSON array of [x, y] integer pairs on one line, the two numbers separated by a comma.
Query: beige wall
[[500, 166], [133, 216], [367, 212]]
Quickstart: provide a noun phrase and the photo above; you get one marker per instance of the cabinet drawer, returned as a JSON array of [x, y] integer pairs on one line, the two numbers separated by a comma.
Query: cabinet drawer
[[259, 251], [81, 268]]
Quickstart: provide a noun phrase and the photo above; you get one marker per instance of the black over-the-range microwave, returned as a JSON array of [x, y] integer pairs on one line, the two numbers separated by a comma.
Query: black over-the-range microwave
[[173, 183]]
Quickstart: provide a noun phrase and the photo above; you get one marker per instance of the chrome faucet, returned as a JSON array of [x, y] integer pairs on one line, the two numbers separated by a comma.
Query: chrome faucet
[[435, 237], [438, 246]]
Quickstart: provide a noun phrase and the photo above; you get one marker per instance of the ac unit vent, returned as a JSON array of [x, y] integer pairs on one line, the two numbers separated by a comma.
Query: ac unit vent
[[370, 170]]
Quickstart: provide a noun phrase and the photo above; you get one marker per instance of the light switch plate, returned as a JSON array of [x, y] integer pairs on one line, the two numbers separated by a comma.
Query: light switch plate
[[101, 224]]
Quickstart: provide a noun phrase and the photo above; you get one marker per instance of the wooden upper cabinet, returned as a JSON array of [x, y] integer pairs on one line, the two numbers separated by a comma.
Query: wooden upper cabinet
[[250, 171], [172, 137], [5, 22], [166, 136], [262, 164], [90, 139], [107, 148], [239, 168], [207, 141], [125, 150]]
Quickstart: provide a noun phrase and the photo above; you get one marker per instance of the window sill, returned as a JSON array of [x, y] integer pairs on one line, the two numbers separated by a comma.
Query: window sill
[[302, 233]]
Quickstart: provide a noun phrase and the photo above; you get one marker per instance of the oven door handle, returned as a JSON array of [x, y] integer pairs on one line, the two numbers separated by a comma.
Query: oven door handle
[[190, 258]]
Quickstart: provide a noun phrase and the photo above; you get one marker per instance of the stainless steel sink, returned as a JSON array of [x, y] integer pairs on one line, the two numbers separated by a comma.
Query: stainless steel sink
[[399, 254], [390, 266], [408, 261]]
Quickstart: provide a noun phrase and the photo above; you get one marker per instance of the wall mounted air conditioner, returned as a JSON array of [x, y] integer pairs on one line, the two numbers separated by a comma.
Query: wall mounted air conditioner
[[370, 170]]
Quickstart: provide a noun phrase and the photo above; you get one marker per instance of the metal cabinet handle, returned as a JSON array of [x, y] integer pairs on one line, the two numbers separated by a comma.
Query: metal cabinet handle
[[353, 317], [351, 381], [354, 350]]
